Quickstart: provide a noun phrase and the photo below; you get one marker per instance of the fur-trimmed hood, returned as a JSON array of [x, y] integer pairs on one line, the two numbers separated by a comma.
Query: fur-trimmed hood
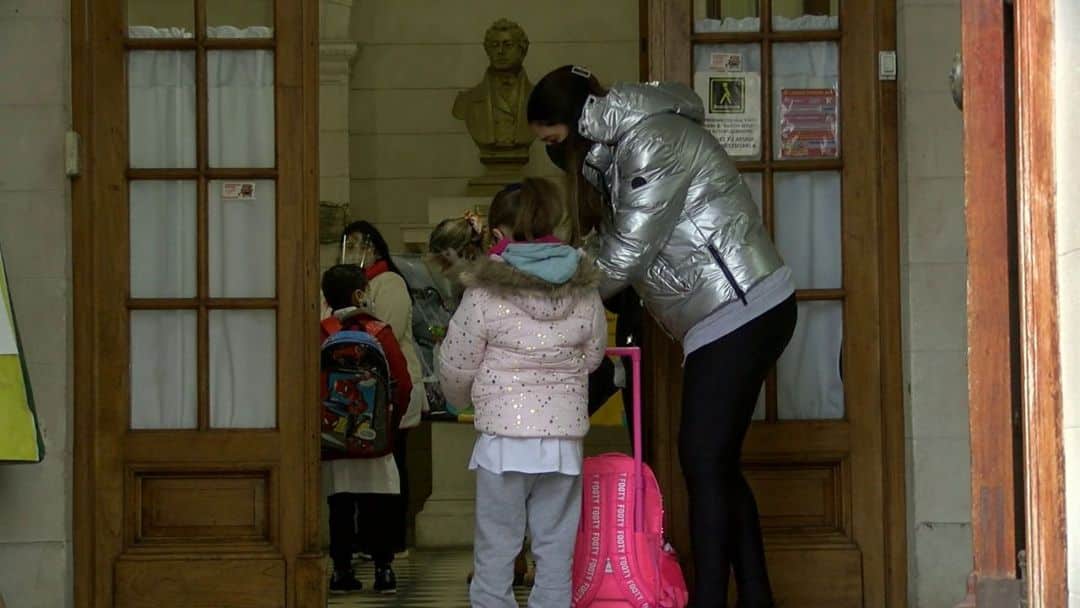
[[541, 299]]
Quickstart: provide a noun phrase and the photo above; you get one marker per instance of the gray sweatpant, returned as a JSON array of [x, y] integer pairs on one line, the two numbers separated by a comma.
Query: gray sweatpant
[[549, 505]]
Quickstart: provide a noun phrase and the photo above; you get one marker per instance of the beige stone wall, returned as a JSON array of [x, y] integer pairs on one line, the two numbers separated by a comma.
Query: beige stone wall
[[35, 500], [414, 56], [1067, 150], [934, 310]]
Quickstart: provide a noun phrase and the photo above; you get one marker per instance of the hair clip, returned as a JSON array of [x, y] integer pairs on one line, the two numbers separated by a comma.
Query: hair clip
[[514, 187], [577, 70], [474, 222]]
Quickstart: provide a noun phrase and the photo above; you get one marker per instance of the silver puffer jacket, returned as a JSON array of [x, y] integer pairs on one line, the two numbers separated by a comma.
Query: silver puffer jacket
[[682, 227]]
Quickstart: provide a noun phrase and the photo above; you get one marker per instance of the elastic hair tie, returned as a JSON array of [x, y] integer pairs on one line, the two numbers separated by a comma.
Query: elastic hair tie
[[577, 70], [474, 223]]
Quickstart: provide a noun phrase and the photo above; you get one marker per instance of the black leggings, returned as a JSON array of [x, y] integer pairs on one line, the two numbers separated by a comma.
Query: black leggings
[[721, 383]]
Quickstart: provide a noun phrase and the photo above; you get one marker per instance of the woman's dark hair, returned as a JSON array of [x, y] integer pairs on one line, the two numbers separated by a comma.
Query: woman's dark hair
[[559, 99], [560, 96], [340, 282], [530, 210], [378, 243]]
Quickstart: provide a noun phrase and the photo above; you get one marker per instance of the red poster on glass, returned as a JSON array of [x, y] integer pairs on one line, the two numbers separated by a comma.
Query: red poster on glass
[[808, 123]]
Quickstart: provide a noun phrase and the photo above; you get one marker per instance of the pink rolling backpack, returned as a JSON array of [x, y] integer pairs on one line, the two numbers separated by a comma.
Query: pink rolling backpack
[[621, 559]]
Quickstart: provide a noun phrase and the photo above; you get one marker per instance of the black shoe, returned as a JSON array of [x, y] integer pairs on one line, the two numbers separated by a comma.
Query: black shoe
[[385, 580], [344, 582]]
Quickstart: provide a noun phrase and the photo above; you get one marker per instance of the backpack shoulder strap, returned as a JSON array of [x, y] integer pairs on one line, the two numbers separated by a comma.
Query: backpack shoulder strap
[[373, 326], [331, 325]]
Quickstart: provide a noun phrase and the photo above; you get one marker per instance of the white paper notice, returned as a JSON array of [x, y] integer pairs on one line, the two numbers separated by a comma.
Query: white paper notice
[[732, 109], [7, 325]]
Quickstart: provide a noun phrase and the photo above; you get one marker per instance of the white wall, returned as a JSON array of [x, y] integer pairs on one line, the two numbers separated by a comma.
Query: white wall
[[934, 312], [1067, 152], [414, 57], [35, 500]]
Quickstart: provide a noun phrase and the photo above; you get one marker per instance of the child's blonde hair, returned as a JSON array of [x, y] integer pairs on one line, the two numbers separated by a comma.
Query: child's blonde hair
[[458, 234], [530, 209]]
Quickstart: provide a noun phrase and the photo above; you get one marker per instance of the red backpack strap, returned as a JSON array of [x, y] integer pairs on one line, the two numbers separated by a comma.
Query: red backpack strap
[[373, 326], [331, 325]]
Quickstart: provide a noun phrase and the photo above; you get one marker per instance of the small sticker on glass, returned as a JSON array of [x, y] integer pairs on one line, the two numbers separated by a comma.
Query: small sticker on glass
[[238, 191]]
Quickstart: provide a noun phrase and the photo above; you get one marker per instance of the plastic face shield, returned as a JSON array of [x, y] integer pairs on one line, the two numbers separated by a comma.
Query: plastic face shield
[[356, 249]]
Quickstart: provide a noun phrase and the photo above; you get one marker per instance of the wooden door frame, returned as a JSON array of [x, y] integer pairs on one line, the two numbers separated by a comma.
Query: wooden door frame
[[666, 24], [101, 133], [997, 498]]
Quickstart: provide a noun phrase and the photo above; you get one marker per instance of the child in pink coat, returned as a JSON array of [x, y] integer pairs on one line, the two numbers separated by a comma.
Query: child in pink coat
[[529, 330]]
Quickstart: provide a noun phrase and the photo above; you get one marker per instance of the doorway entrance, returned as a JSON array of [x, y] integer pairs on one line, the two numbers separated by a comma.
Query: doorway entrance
[[198, 475]]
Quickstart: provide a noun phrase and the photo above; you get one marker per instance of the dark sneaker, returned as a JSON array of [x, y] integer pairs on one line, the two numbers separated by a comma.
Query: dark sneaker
[[344, 582], [385, 580]]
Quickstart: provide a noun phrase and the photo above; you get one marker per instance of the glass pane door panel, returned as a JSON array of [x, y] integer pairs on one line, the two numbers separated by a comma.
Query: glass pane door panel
[[807, 227], [794, 15], [243, 369], [727, 77], [161, 109], [810, 383], [240, 95], [161, 18], [162, 225], [164, 391], [806, 100], [726, 16], [242, 234], [240, 18]]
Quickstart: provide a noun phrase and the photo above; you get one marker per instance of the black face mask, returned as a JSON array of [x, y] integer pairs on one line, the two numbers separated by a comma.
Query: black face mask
[[557, 153]]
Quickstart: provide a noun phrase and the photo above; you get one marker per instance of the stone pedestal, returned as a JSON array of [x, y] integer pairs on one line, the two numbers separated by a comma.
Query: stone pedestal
[[495, 178], [447, 520]]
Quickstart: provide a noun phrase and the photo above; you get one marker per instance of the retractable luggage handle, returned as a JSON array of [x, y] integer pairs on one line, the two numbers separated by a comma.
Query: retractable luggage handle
[[634, 354]]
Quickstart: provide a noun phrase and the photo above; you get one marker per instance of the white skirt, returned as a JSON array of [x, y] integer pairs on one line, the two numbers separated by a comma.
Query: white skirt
[[361, 476], [532, 455]]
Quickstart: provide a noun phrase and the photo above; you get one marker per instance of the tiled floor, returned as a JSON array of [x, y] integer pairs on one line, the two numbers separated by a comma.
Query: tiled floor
[[425, 580]]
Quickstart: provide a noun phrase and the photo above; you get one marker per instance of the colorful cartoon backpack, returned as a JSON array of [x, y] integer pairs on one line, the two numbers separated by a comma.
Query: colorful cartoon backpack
[[358, 418]]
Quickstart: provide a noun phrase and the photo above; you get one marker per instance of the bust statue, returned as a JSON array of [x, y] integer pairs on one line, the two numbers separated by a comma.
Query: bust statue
[[494, 110]]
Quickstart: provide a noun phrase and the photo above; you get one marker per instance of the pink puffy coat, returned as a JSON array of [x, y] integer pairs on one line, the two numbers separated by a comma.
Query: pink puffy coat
[[520, 349]]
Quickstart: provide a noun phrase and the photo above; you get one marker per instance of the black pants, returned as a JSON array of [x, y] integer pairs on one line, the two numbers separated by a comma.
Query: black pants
[[374, 523], [721, 382], [373, 512]]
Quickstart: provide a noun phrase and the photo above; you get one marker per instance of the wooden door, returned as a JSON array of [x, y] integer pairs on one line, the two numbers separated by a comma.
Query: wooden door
[[194, 229], [825, 453]]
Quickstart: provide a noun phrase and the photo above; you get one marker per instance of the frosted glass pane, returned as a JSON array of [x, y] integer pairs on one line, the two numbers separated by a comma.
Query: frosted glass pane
[[161, 18], [727, 77], [243, 369], [241, 108], [239, 18], [810, 384], [806, 100], [807, 217], [163, 239], [791, 15], [242, 238], [161, 109], [164, 391]]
